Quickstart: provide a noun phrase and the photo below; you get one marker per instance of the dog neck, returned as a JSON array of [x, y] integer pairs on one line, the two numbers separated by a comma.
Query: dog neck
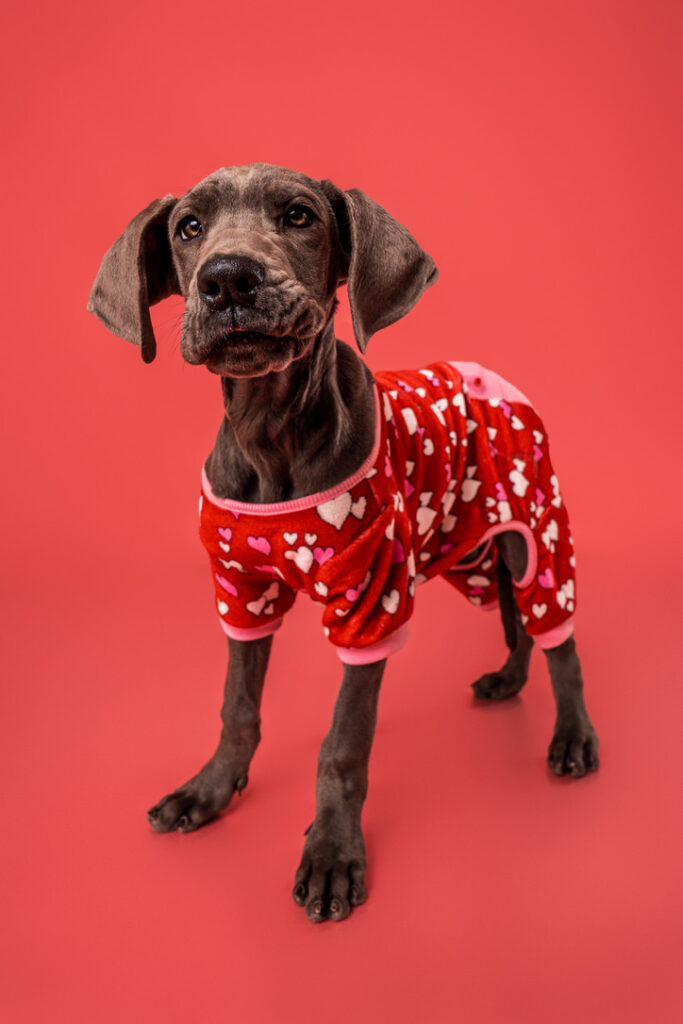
[[296, 432]]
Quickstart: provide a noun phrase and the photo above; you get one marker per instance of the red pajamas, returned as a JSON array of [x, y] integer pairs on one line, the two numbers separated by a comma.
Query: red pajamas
[[459, 456]]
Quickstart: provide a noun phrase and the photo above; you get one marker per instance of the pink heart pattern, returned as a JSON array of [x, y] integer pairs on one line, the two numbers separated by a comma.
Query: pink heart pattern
[[261, 544], [322, 555], [229, 587], [546, 579]]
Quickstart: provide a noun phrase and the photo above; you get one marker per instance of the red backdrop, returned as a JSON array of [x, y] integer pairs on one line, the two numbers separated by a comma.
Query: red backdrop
[[534, 150]]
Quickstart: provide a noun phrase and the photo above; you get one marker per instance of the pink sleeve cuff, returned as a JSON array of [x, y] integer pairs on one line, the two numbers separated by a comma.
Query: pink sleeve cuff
[[554, 637], [267, 629], [375, 652]]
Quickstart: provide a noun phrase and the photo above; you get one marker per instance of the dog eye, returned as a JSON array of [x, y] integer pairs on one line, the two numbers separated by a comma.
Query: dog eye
[[299, 216], [189, 228]]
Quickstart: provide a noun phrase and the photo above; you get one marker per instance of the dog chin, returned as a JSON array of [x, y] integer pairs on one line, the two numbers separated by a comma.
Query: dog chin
[[252, 354]]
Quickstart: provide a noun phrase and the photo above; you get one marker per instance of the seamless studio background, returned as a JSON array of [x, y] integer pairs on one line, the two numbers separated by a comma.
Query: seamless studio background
[[534, 151]]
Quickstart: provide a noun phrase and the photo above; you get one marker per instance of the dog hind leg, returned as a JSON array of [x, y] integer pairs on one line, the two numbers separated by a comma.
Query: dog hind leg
[[573, 749], [510, 679]]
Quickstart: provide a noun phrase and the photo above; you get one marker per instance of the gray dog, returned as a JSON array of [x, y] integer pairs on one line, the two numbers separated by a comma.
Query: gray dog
[[258, 253]]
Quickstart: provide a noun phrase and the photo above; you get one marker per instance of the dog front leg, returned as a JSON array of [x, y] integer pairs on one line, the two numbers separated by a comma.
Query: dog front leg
[[331, 877], [210, 791]]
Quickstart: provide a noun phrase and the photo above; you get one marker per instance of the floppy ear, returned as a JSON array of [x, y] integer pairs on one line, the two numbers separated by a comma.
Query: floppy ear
[[135, 273], [387, 270]]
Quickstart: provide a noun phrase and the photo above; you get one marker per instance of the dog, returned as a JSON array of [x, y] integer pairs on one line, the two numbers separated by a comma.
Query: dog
[[351, 487]]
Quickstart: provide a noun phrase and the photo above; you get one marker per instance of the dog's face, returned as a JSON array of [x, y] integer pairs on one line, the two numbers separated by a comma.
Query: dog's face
[[258, 252], [258, 261]]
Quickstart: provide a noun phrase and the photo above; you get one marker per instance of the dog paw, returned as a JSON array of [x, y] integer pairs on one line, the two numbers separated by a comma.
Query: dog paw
[[498, 685], [573, 750], [331, 876], [192, 805]]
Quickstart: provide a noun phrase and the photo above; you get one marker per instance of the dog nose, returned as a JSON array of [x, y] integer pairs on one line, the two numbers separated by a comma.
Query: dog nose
[[229, 281]]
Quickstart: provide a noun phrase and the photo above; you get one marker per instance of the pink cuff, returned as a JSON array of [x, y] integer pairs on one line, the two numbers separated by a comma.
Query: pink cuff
[[554, 637], [375, 652], [255, 633]]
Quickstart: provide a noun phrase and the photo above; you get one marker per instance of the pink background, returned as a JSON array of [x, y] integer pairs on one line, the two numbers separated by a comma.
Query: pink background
[[534, 149]]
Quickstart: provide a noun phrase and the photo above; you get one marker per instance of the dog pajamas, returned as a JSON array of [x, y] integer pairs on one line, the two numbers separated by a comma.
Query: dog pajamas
[[459, 456]]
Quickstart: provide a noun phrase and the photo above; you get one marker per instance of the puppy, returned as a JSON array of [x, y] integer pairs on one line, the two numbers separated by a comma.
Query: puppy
[[353, 488]]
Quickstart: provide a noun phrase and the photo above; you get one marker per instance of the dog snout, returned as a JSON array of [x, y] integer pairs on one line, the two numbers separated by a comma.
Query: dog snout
[[229, 281]]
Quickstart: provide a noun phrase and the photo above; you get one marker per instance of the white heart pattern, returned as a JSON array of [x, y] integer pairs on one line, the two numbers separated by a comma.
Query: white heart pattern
[[390, 602], [358, 507], [336, 511], [410, 420], [565, 595], [291, 538], [438, 408], [448, 524], [479, 581], [302, 558], [262, 604], [425, 518], [550, 535], [468, 491], [232, 565], [556, 500], [519, 482], [459, 403]]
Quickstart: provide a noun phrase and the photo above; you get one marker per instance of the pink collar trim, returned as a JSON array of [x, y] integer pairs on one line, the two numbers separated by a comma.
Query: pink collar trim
[[308, 500]]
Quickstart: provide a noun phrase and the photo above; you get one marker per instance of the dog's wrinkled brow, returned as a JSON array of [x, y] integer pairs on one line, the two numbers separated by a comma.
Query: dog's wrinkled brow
[[231, 191]]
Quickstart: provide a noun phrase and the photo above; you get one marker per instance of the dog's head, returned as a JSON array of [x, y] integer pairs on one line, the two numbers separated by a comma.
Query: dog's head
[[258, 253]]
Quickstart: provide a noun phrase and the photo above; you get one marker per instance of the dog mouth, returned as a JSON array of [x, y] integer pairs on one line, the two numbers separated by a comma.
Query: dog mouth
[[246, 353], [240, 337], [241, 343]]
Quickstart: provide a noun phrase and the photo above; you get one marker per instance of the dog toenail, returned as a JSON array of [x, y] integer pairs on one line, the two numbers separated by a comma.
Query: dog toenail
[[317, 908], [335, 907]]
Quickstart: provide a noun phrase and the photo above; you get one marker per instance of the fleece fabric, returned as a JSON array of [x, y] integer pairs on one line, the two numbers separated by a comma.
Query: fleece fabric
[[459, 455]]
